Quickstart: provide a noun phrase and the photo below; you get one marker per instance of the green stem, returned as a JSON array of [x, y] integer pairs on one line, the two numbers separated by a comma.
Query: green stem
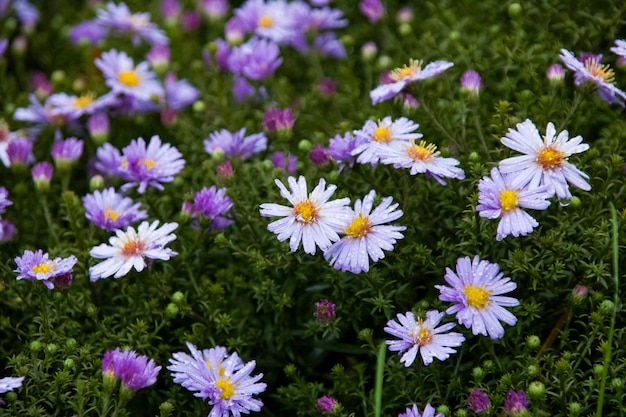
[[380, 368], [46, 212], [609, 345], [479, 129], [440, 126]]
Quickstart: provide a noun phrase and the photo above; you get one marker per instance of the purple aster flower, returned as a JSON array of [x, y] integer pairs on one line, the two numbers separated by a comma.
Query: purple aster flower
[[405, 15], [555, 73], [326, 18], [422, 158], [326, 404], [406, 75], [26, 13], [429, 411], [515, 402], [67, 151], [69, 107], [4, 43], [125, 78], [214, 204], [159, 57], [497, 199], [327, 86], [545, 160], [471, 82], [423, 336], [41, 84], [235, 144], [319, 155], [170, 9], [38, 267], [234, 31], [37, 113], [129, 249], [20, 151], [477, 290], [277, 119], [98, 127], [372, 9], [256, 59], [214, 9], [7, 230], [225, 169], [588, 67], [366, 235], [141, 165], [369, 51], [328, 44], [179, 93], [272, 20], [89, 31], [42, 174], [280, 158], [341, 149], [191, 21], [478, 401], [376, 138], [325, 311], [4, 199], [111, 211], [619, 50], [223, 379], [242, 89], [135, 371], [119, 18], [312, 219], [10, 383]]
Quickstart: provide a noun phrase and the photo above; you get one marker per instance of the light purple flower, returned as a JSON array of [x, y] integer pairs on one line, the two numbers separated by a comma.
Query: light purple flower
[[159, 56], [125, 78], [328, 44], [7, 230], [498, 199], [429, 411], [409, 73], [70, 107], [90, 30], [191, 21], [214, 9], [10, 383], [235, 144], [272, 20], [36, 112], [256, 59], [471, 82], [372, 9], [37, 266], [277, 119], [42, 174], [588, 67], [326, 404], [4, 199], [326, 18], [67, 151], [423, 336], [311, 218], [135, 371], [278, 160], [319, 155], [20, 151], [119, 18], [98, 126], [545, 160], [555, 73], [242, 89], [179, 93], [476, 289], [340, 149], [478, 401], [111, 211], [214, 204], [129, 249], [515, 402], [375, 139], [366, 235], [620, 48]]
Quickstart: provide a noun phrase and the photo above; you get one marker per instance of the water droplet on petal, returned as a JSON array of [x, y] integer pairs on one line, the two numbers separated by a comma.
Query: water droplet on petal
[[564, 202]]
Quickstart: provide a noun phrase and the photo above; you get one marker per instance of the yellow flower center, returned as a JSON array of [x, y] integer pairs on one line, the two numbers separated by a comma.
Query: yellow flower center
[[42, 268], [84, 101], [110, 214], [228, 389], [598, 70], [220, 369], [359, 227], [508, 200], [550, 158], [133, 248], [129, 78], [266, 22], [477, 297], [424, 336], [407, 71], [382, 135], [148, 163], [306, 211], [422, 152]]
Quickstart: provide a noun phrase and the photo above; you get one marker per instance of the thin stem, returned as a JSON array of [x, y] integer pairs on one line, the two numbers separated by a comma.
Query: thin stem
[[439, 125], [380, 368], [46, 212], [479, 129]]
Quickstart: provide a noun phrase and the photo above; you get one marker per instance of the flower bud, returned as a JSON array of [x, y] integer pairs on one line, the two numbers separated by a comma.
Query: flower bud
[[515, 9], [96, 183], [607, 307], [51, 348], [533, 341], [598, 369], [478, 373], [171, 310], [326, 404], [574, 409], [536, 390], [35, 346]]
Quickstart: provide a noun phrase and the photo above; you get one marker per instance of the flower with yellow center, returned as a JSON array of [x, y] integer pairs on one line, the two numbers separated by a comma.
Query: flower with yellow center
[[596, 69], [382, 134], [42, 268], [508, 200], [360, 227], [422, 151], [110, 215], [84, 101], [550, 158], [306, 211], [129, 78], [407, 71], [266, 22], [477, 297], [228, 389]]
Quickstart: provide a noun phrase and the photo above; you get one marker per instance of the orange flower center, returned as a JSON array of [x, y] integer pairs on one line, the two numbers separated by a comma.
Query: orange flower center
[[407, 71], [550, 158], [598, 70], [266, 22], [360, 227], [382, 135], [306, 212], [422, 152], [133, 248], [424, 336]]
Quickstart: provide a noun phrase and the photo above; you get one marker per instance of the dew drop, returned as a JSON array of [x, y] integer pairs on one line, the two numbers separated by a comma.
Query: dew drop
[[564, 202]]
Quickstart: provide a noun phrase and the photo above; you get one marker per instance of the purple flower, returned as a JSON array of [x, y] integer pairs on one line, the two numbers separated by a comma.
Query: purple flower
[[10, 383], [429, 411], [191, 21], [325, 311], [135, 371], [4, 199], [327, 86], [277, 119], [478, 401], [225, 169], [588, 67], [90, 31], [98, 126], [366, 235], [272, 20], [179, 93], [256, 59], [423, 336], [234, 31], [278, 159], [67, 151], [214, 9], [471, 82], [477, 290], [20, 151], [221, 378], [213, 204], [242, 89], [68, 107], [545, 159], [555, 73], [515, 402], [235, 144], [341, 149], [376, 138], [119, 18], [498, 199], [328, 44], [37, 266], [326, 404], [170, 9], [319, 155], [159, 57], [111, 211], [7, 230], [409, 73], [311, 219], [42, 174], [372, 9]]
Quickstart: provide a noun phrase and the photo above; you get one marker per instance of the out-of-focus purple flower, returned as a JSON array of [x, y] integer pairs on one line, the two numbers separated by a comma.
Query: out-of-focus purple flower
[[255, 59], [40, 83], [234, 31], [118, 18], [20, 152], [429, 411], [326, 404], [272, 20], [225, 169], [372, 9], [214, 204], [7, 230], [4, 43], [369, 51], [37, 266], [471, 82], [26, 13], [222, 53], [191, 21], [340, 149], [325, 311], [242, 89], [66, 152], [214, 9], [405, 15], [159, 57], [170, 9], [4, 199], [580, 291], [42, 174], [6, 136], [278, 159], [327, 86], [478, 401], [319, 155], [235, 144], [89, 31], [409, 102], [328, 44], [69, 107], [515, 402], [10, 383], [19, 45], [135, 371], [277, 119], [112, 211], [98, 127], [555, 73], [37, 113], [179, 93]]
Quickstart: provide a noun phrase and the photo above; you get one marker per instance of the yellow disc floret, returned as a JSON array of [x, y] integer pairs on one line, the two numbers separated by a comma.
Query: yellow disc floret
[[422, 152], [42, 268], [306, 211], [477, 297], [359, 227], [266, 22], [550, 158], [228, 389], [508, 200], [83, 101], [382, 134], [129, 78], [407, 71], [596, 69]]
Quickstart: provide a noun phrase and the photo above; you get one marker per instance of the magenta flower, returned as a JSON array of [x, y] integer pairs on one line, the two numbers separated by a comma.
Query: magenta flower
[[325, 311], [478, 401], [214, 204], [326, 404], [277, 119], [372, 9], [235, 144], [515, 403], [135, 371]]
